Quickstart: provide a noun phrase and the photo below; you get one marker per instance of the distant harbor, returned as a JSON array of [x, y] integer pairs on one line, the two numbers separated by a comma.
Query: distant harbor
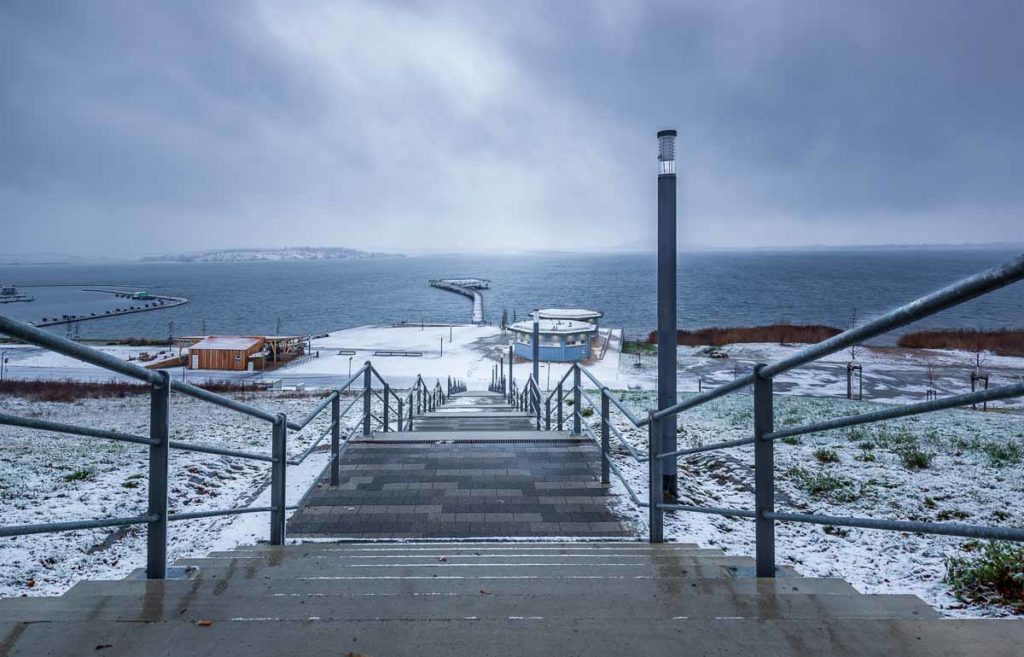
[[146, 300], [731, 288], [10, 294]]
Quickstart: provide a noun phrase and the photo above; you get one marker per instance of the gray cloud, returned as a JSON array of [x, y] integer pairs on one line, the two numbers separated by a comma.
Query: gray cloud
[[132, 128]]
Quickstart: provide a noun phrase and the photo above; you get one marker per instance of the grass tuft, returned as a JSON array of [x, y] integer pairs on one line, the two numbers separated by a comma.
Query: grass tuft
[[993, 575], [825, 455]]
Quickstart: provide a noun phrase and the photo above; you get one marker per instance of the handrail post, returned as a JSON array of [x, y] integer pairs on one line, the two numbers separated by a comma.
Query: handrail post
[[336, 440], [656, 515], [400, 412], [605, 438], [559, 405], [536, 404], [387, 407], [367, 385], [576, 400], [547, 414], [412, 407], [764, 475], [419, 398], [159, 457], [511, 374], [277, 480]]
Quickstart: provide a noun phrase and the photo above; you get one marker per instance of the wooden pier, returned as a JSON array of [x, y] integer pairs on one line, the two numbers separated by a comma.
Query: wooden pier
[[467, 287]]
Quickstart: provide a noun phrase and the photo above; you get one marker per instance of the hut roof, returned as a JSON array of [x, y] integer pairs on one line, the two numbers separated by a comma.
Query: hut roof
[[228, 342]]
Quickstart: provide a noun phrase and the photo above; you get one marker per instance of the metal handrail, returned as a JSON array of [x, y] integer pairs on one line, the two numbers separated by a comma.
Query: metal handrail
[[966, 399], [58, 427], [761, 378], [160, 444], [615, 402]]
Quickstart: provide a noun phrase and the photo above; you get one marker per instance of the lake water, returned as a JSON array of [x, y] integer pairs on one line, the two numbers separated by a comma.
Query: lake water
[[715, 289]]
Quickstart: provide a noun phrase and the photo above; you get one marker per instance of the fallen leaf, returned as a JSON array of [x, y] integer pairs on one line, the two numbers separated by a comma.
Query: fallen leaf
[[204, 623], [484, 592], [442, 558], [31, 582], [104, 645]]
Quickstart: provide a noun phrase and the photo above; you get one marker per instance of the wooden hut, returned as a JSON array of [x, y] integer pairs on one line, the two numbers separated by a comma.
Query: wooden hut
[[225, 353]]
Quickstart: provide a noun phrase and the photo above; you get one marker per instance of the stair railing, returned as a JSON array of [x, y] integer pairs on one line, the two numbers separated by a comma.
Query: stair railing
[[157, 516], [764, 434]]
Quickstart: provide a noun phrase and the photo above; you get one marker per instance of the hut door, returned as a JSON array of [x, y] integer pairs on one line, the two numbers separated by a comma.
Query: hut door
[[195, 361]]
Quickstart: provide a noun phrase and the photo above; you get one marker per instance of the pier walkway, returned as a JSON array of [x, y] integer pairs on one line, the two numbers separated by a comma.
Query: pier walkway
[[473, 468], [467, 287]]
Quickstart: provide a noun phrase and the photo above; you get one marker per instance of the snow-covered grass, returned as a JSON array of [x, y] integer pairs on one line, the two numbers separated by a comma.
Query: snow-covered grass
[[973, 472], [47, 477]]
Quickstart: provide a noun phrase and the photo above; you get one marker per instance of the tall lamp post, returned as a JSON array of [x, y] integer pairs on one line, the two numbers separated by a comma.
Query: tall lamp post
[[667, 305]]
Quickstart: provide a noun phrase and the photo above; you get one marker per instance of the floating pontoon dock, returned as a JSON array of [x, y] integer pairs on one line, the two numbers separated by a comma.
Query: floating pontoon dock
[[467, 287]]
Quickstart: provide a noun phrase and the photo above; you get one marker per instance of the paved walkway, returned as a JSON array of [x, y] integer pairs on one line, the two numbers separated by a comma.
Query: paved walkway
[[463, 484]]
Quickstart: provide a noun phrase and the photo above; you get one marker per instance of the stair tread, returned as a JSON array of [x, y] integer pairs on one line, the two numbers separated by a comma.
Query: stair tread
[[225, 585], [528, 636], [166, 605]]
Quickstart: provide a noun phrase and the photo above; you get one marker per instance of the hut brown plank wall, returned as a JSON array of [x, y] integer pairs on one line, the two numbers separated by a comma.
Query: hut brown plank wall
[[223, 353]]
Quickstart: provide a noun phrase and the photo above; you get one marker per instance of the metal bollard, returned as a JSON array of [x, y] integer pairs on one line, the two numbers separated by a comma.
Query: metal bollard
[[559, 406], [159, 456], [336, 440], [367, 384], [656, 515], [576, 400], [764, 475], [277, 480], [605, 468]]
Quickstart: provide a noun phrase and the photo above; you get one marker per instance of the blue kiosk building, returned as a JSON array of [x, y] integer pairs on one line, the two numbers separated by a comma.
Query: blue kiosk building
[[561, 340]]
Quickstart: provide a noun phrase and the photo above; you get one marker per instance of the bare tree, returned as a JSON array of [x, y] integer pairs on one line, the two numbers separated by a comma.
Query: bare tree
[[980, 355], [783, 325], [853, 348]]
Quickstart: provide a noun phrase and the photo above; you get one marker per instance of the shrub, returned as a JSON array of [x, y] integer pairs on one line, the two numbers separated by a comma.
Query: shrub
[[777, 333], [1004, 342], [68, 390], [914, 459], [994, 575], [952, 514], [587, 412], [824, 484], [84, 474], [1002, 454], [791, 440], [866, 456], [826, 455]]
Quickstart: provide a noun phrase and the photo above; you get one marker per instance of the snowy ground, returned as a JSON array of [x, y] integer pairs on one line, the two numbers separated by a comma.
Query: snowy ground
[[470, 352], [46, 477], [890, 374], [976, 475]]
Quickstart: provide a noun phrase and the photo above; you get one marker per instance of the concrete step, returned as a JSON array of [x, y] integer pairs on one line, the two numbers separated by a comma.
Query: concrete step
[[205, 584], [519, 637], [339, 569], [493, 548], [497, 604], [444, 435], [483, 558]]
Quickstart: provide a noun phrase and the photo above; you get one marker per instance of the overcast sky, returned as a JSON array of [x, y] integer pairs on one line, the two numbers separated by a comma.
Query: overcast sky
[[143, 127]]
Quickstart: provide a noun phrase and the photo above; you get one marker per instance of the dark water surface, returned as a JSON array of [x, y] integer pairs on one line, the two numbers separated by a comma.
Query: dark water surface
[[715, 289]]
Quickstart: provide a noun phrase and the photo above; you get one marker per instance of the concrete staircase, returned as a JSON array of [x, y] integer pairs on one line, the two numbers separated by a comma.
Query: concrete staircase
[[475, 411], [394, 599]]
